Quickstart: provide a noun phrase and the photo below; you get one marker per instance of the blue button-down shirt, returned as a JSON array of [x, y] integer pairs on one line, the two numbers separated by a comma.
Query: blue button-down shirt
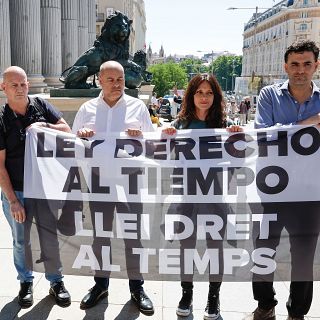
[[277, 106]]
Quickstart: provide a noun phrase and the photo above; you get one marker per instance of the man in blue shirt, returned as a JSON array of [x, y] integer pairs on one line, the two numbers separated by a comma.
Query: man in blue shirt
[[296, 101]]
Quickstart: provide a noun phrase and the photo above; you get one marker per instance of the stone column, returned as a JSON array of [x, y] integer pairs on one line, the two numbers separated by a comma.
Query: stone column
[[5, 52], [69, 31], [91, 22], [25, 39], [83, 26], [51, 41]]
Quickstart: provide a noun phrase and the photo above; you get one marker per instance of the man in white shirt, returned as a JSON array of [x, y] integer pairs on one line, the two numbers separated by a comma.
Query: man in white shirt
[[113, 111]]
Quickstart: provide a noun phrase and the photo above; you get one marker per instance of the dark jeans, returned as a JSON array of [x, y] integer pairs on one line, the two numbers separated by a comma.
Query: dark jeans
[[134, 285]]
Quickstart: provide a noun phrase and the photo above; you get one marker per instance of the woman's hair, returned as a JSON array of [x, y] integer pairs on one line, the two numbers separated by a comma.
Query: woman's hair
[[216, 117]]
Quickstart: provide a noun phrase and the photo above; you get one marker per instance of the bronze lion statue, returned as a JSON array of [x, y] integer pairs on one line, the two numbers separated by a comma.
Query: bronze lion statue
[[112, 44], [140, 58]]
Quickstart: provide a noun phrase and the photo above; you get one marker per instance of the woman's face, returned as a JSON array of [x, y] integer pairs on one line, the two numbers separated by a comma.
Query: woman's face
[[203, 98]]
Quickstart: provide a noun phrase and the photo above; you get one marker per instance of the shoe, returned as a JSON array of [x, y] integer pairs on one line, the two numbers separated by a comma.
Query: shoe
[[262, 314], [185, 304], [143, 302], [25, 297], [61, 294], [295, 318], [92, 298], [212, 310]]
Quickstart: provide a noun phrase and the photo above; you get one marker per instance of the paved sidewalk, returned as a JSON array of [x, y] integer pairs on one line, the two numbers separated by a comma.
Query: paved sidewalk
[[236, 298]]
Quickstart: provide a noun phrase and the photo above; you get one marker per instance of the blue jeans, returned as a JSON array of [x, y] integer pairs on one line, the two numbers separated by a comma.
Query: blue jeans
[[17, 230]]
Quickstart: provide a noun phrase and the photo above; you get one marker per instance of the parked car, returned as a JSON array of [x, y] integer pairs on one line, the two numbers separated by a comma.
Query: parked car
[[164, 110], [169, 97]]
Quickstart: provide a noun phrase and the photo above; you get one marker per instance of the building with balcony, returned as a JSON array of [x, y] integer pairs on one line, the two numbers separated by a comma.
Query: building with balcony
[[267, 35]]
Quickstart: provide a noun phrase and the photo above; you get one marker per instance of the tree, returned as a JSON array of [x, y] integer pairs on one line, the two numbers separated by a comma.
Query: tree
[[228, 67], [166, 76], [193, 66]]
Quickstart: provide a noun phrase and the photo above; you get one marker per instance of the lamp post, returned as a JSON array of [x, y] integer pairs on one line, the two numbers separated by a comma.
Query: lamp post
[[226, 83], [233, 75], [254, 32]]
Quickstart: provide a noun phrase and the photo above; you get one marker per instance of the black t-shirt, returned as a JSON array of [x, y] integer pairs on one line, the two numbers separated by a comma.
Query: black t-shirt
[[13, 132]]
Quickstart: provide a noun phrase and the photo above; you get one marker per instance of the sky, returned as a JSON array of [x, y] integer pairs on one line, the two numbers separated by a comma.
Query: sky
[[199, 26]]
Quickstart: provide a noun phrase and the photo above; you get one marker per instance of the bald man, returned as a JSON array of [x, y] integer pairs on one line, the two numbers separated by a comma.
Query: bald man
[[113, 111], [19, 112]]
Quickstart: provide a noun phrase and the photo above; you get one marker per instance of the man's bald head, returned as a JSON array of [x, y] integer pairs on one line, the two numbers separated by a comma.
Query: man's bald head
[[13, 71], [15, 86], [111, 65], [112, 81]]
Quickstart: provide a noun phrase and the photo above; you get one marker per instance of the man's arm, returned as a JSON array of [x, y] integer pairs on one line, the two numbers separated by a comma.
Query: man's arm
[[313, 120], [16, 208], [264, 112], [60, 125]]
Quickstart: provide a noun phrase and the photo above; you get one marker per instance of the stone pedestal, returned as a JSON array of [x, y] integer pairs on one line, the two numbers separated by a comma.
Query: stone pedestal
[[132, 92], [146, 89], [88, 93], [145, 93], [75, 93]]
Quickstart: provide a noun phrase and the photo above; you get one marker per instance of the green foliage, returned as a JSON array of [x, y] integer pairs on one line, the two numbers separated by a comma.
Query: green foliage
[[193, 66], [227, 67], [166, 76]]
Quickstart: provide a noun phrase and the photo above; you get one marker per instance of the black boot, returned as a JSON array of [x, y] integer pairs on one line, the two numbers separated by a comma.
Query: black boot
[[60, 294], [185, 304], [212, 310], [25, 297], [143, 302]]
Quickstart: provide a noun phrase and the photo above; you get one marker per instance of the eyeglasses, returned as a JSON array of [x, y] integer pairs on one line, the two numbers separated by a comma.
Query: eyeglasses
[[201, 94]]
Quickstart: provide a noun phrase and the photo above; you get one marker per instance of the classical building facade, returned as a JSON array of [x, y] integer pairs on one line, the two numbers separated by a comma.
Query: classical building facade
[[45, 37], [134, 10], [266, 37]]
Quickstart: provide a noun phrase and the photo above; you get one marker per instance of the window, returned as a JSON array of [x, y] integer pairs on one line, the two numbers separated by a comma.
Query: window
[[305, 2], [304, 15], [303, 27]]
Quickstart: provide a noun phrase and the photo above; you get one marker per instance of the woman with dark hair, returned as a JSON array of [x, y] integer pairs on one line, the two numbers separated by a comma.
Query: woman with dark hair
[[202, 107]]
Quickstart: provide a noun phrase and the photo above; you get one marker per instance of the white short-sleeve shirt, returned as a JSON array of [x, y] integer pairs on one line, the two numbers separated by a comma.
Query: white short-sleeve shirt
[[127, 113]]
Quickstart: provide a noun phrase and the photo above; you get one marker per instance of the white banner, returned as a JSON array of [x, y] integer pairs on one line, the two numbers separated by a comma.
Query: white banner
[[193, 166], [233, 206]]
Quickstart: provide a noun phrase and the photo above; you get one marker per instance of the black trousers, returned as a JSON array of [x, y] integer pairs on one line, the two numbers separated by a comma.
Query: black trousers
[[134, 285], [213, 286], [132, 261], [299, 301], [302, 221]]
